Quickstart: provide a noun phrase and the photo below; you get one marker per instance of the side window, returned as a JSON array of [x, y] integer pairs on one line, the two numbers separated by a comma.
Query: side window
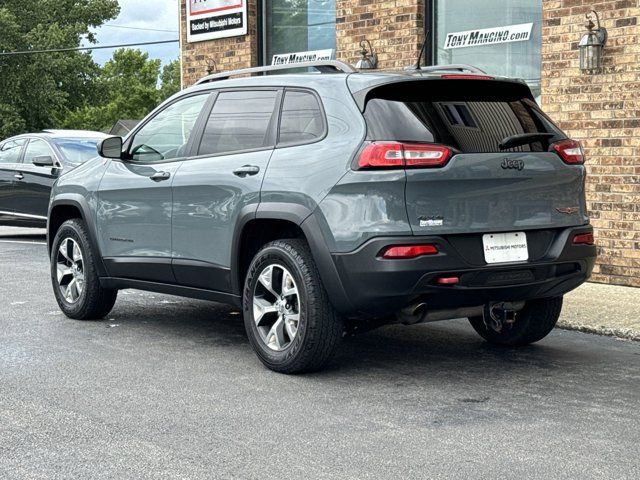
[[37, 148], [301, 120], [239, 121], [10, 151], [166, 135]]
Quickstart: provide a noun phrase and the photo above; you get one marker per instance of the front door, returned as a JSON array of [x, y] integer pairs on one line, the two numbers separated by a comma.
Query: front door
[[33, 183], [135, 198], [222, 182]]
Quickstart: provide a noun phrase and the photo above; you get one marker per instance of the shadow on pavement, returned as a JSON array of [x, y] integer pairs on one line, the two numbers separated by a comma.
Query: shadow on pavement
[[448, 349]]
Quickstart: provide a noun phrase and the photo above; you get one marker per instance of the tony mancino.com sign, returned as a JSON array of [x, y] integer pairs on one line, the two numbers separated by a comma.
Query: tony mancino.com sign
[[488, 36]]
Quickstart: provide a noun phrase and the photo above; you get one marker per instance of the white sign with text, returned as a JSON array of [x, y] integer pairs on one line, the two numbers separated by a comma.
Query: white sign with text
[[211, 19], [300, 57], [488, 36]]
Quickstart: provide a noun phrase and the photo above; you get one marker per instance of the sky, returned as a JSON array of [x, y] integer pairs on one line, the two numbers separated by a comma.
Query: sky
[[158, 15]]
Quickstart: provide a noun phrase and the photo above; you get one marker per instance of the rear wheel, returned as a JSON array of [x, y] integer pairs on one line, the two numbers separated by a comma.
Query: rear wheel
[[290, 322], [73, 274], [534, 322]]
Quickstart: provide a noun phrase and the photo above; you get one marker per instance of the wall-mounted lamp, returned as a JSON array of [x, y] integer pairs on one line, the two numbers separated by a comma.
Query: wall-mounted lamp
[[592, 44], [212, 67], [369, 61]]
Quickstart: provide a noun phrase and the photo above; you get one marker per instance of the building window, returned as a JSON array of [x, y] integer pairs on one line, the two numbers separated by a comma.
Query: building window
[[499, 40], [298, 26]]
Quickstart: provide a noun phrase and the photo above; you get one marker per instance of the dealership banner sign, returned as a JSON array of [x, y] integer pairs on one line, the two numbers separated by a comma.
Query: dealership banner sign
[[300, 57], [211, 19], [488, 36]]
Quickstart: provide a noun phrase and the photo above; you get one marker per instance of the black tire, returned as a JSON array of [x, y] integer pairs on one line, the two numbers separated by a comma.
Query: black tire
[[94, 302], [319, 329], [534, 322]]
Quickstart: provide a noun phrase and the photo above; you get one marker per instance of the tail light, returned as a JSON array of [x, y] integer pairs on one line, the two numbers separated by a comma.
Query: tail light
[[403, 155], [584, 239], [570, 151], [409, 251]]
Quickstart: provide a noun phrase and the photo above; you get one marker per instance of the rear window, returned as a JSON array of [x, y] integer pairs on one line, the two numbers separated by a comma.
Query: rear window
[[301, 120], [468, 122]]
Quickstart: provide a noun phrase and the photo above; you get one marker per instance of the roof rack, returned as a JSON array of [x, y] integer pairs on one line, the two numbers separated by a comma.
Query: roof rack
[[447, 68], [323, 66]]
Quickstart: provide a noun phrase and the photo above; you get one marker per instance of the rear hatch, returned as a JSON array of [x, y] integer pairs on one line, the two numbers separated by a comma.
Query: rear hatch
[[479, 155]]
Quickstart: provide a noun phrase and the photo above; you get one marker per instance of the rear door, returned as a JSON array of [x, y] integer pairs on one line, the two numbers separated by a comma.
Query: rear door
[[221, 183], [483, 186], [10, 153], [33, 183]]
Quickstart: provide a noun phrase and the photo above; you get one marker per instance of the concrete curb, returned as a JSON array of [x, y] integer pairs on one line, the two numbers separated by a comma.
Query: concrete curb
[[624, 333]]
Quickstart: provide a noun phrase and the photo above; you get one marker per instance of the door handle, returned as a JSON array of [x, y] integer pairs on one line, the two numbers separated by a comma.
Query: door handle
[[160, 176], [19, 176], [246, 170]]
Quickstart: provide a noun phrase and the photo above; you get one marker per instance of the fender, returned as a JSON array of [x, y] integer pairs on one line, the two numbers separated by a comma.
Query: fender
[[80, 202], [306, 219]]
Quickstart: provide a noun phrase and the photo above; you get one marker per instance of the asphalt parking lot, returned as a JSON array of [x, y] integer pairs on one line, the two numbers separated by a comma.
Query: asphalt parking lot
[[169, 388]]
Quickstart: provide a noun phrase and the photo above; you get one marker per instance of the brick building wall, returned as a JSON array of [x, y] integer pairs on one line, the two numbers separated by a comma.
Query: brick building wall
[[394, 27], [228, 53], [603, 112]]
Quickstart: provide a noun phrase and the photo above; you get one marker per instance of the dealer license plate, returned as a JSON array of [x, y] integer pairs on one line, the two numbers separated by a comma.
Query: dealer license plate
[[505, 247]]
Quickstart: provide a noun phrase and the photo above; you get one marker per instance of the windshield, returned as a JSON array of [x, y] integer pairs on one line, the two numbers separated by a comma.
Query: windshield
[[77, 150]]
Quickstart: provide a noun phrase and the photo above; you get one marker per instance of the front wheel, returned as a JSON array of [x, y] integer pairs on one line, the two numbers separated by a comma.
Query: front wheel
[[534, 322], [73, 274], [290, 322]]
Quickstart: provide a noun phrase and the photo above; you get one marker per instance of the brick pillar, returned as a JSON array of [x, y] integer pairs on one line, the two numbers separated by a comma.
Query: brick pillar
[[228, 53], [394, 27]]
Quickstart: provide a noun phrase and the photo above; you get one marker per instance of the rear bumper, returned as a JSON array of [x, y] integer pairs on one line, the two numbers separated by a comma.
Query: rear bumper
[[379, 287]]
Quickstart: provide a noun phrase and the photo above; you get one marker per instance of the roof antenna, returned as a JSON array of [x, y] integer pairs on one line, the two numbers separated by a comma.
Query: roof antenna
[[424, 45]]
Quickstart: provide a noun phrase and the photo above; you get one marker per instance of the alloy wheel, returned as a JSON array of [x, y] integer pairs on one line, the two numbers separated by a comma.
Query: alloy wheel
[[276, 307], [70, 270]]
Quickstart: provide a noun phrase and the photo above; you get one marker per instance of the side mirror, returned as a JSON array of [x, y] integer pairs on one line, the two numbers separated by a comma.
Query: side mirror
[[43, 161], [110, 147]]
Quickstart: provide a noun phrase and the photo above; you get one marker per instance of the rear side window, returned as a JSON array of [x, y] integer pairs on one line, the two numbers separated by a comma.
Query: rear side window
[[473, 123], [239, 121], [302, 120], [10, 151]]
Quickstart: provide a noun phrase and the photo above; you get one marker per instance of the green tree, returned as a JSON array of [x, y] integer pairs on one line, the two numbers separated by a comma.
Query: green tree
[[36, 88], [128, 88], [170, 80]]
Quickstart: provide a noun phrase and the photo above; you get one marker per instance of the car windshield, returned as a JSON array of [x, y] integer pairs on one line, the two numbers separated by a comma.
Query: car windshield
[[77, 150]]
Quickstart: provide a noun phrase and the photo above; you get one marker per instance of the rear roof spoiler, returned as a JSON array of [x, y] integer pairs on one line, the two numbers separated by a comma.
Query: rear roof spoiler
[[493, 89]]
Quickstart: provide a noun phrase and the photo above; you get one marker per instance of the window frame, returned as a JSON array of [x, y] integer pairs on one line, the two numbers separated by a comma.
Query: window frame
[[272, 129], [23, 155], [126, 154], [323, 115]]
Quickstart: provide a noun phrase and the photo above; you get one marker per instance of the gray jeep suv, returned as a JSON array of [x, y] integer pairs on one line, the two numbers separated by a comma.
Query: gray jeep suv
[[333, 202]]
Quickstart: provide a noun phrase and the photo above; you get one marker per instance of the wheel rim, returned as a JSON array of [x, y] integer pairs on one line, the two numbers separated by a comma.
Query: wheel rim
[[70, 270], [276, 307]]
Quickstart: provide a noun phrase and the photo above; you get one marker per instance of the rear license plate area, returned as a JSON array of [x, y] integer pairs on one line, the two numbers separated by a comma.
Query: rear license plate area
[[505, 247]]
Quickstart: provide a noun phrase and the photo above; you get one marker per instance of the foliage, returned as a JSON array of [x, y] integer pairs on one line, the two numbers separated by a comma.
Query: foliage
[[68, 89], [35, 88], [128, 89]]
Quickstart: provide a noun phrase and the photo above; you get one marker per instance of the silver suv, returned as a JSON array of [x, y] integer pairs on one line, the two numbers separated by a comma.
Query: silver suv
[[333, 202]]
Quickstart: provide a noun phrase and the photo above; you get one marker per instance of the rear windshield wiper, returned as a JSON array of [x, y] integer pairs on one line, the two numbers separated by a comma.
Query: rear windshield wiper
[[523, 139]]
